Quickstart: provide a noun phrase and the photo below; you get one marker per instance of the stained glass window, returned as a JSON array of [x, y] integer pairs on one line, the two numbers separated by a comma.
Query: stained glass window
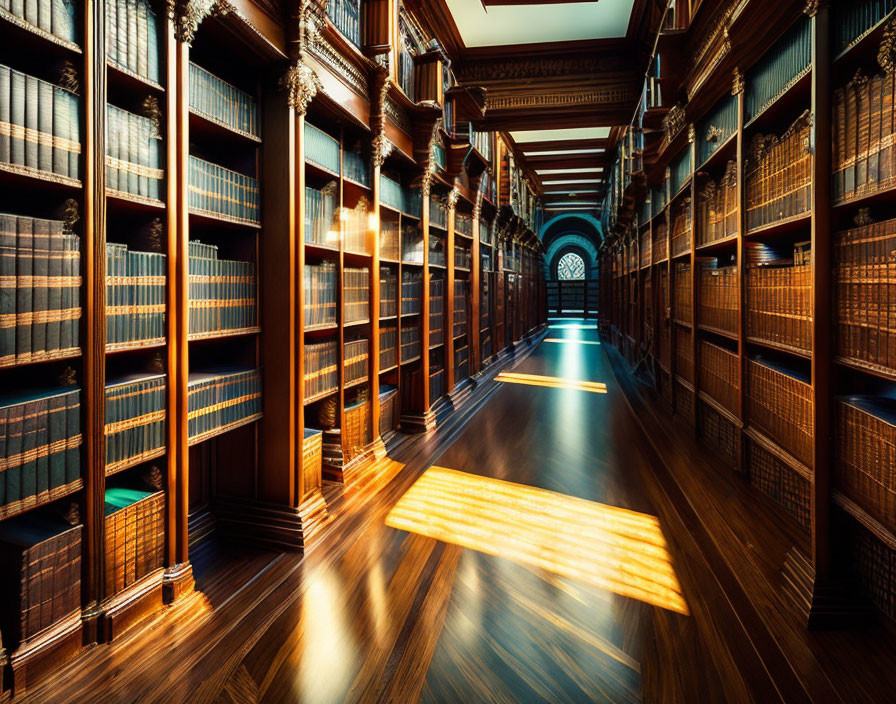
[[571, 267]]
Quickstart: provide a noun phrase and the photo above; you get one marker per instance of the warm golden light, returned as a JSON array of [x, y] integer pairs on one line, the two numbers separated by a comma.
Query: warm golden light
[[551, 382], [612, 548], [373, 222], [571, 341], [332, 235]]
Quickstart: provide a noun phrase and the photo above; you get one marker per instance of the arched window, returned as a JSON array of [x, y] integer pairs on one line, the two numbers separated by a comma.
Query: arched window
[[571, 267]]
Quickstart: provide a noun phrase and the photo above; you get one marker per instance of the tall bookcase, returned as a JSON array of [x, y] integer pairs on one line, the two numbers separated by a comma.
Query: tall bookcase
[[221, 242], [752, 279]]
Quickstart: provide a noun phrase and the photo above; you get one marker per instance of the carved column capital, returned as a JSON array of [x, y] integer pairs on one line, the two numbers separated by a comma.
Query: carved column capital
[[301, 85], [453, 196], [187, 15], [381, 148], [692, 134], [813, 6], [886, 54]]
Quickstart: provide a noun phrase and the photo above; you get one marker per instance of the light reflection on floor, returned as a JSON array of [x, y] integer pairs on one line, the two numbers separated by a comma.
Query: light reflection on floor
[[553, 326], [552, 382], [612, 548], [570, 341]]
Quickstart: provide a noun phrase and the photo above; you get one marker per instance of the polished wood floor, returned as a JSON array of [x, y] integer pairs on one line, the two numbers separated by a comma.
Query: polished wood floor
[[379, 614]]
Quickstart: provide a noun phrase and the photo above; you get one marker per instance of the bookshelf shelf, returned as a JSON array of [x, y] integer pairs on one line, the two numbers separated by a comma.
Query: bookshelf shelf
[[356, 382], [389, 369], [788, 103], [135, 345], [117, 467], [205, 217], [204, 437], [355, 323], [717, 331], [205, 125], [781, 227], [719, 245], [866, 44], [319, 397], [875, 527], [42, 358], [779, 347], [323, 327], [15, 25], [726, 151], [131, 201], [47, 497], [761, 438], [883, 193], [321, 249], [410, 359], [131, 80], [859, 365], [720, 409], [38, 178], [321, 172], [222, 334]]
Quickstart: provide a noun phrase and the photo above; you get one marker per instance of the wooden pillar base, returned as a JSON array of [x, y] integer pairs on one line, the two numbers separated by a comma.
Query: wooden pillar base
[[177, 582], [44, 653], [133, 604], [272, 525], [414, 423], [823, 606], [461, 393]]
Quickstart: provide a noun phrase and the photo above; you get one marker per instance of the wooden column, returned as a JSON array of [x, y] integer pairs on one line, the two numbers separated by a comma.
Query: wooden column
[[448, 295], [695, 279], [737, 89], [475, 341], [373, 346], [424, 310]]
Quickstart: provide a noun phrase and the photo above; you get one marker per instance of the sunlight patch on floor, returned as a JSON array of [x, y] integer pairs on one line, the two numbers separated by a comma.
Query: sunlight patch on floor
[[612, 548], [552, 382], [570, 341]]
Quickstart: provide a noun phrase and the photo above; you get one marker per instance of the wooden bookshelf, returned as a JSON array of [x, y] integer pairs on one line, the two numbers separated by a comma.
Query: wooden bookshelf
[[797, 86]]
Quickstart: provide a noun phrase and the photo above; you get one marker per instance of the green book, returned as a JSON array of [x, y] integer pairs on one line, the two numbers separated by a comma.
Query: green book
[[152, 61], [132, 34], [15, 418], [73, 436], [112, 31], [56, 435], [4, 452], [31, 121], [45, 126], [132, 149], [31, 13], [54, 285], [17, 111], [142, 58], [45, 15], [112, 146], [40, 267], [24, 287], [28, 465], [63, 13], [66, 324], [8, 256], [41, 444], [61, 128], [121, 49], [5, 113]]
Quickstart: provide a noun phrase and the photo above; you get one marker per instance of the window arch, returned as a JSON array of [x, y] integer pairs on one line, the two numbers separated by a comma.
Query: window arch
[[571, 267]]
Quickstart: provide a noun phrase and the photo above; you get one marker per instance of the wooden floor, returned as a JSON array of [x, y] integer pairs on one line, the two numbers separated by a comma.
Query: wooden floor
[[378, 614]]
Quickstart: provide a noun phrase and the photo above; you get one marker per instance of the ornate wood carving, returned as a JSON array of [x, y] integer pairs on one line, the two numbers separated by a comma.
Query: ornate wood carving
[[301, 85], [737, 82], [187, 15], [673, 122], [886, 54]]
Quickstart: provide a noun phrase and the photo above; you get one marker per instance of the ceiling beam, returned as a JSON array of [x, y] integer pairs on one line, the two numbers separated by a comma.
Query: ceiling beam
[[583, 176], [564, 144]]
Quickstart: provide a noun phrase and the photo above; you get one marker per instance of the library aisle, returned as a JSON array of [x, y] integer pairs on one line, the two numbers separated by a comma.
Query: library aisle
[[568, 569]]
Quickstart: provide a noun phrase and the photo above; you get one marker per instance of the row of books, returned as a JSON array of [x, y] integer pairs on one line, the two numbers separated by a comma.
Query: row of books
[[864, 158], [719, 297], [320, 215], [438, 213], [223, 293], [681, 229], [865, 308], [356, 295], [56, 17], [684, 356], [134, 418], [355, 355], [779, 305], [778, 69], [717, 127], [646, 242], [402, 199], [356, 227], [135, 294], [355, 167], [779, 402], [40, 444], [132, 37], [216, 191], [410, 342], [388, 347], [222, 102], [865, 428], [134, 536], [660, 248], [717, 215], [319, 284], [463, 257], [681, 295], [461, 301], [436, 311], [41, 582], [463, 224], [412, 244], [321, 368], [779, 481], [40, 287], [321, 148], [719, 374], [779, 175], [411, 292], [388, 292], [437, 251], [40, 125], [221, 396], [390, 240], [134, 154], [717, 431]]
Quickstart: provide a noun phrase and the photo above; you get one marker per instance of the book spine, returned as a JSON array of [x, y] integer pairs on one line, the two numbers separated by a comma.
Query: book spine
[[5, 114], [8, 290], [40, 293], [24, 287]]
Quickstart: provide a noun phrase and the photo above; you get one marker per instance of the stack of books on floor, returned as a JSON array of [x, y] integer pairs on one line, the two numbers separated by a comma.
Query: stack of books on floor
[[222, 292], [134, 153], [219, 192], [135, 294], [219, 101], [134, 539], [40, 284], [132, 37], [320, 290], [41, 582], [321, 368], [220, 397], [48, 115], [40, 445], [356, 295], [135, 419]]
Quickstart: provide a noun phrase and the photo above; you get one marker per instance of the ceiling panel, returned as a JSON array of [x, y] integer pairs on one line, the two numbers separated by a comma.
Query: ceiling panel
[[529, 24], [579, 133]]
